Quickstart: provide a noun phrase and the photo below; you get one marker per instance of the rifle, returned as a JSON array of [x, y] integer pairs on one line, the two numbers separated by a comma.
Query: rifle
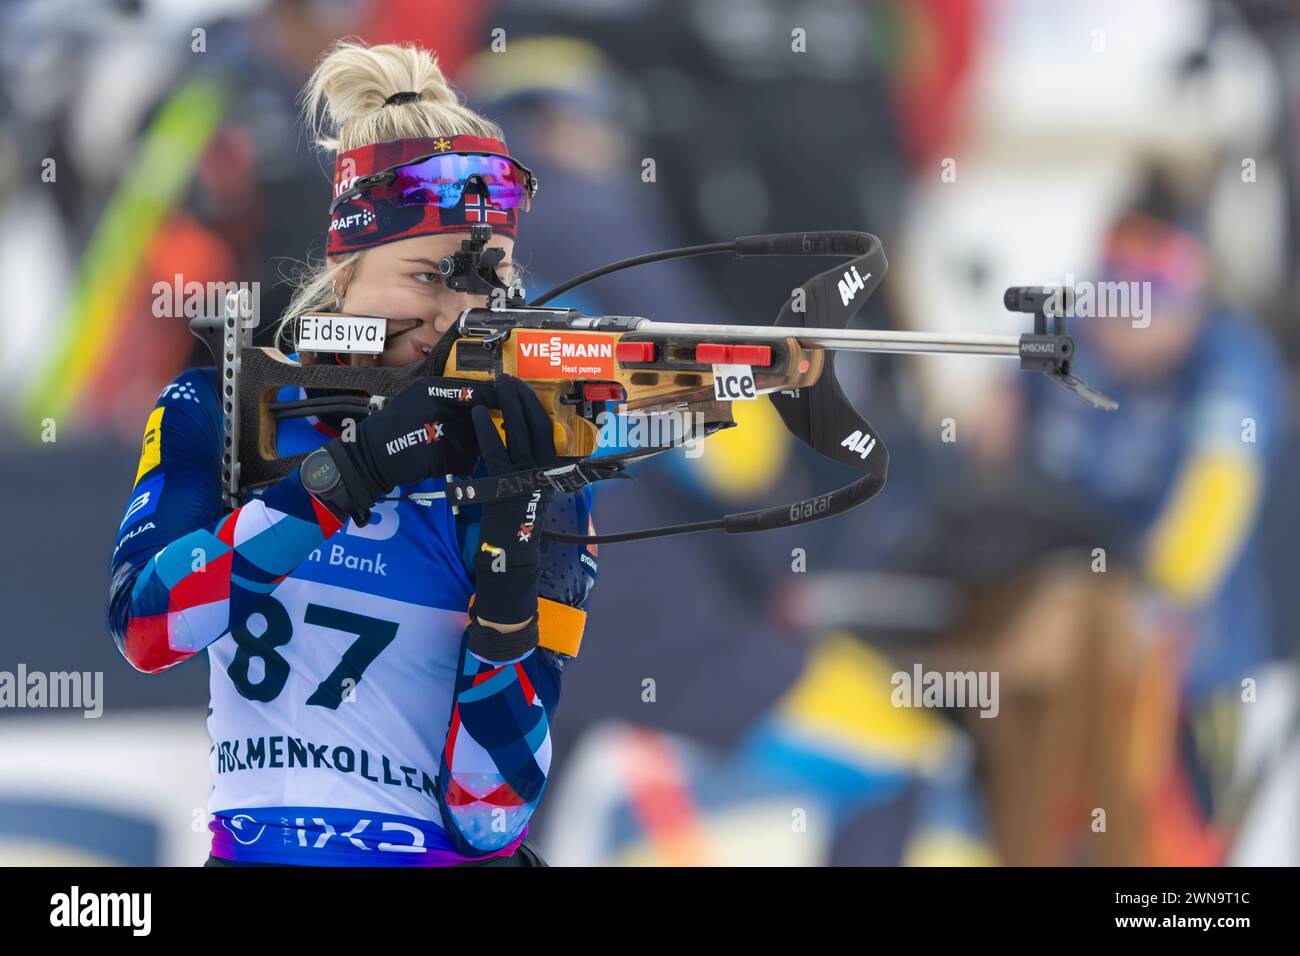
[[577, 364]]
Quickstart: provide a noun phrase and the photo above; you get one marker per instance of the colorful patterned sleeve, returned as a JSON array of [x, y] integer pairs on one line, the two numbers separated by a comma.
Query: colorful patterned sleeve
[[498, 751], [183, 567]]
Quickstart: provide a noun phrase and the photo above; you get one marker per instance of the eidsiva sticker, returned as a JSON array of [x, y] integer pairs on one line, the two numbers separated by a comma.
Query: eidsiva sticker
[[322, 332], [572, 355], [734, 383]]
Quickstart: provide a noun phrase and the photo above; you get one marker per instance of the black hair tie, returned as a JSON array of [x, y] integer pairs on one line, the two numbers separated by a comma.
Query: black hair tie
[[399, 98]]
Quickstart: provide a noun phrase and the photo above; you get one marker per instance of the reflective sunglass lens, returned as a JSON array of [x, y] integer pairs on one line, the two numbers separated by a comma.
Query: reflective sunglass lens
[[440, 181]]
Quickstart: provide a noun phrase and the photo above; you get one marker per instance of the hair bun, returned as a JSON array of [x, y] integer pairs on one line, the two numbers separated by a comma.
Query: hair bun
[[344, 101]]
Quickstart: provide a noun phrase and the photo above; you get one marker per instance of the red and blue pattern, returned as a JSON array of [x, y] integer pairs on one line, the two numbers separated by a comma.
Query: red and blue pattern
[[495, 780], [188, 575], [188, 593]]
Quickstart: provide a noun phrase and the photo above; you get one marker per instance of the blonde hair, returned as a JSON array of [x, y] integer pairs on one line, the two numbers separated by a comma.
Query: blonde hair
[[344, 107]]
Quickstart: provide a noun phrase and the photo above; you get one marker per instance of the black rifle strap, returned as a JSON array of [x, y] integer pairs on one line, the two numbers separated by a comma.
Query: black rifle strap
[[819, 415], [576, 475]]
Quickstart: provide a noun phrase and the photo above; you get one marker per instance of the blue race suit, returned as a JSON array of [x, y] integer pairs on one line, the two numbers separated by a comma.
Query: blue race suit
[[350, 724], [1225, 399]]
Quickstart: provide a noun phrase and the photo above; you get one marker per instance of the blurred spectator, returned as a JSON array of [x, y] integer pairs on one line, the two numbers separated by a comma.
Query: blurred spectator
[[1182, 468]]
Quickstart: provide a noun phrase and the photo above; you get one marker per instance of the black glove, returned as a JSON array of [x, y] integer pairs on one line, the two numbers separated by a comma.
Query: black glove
[[510, 532], [423, 431]]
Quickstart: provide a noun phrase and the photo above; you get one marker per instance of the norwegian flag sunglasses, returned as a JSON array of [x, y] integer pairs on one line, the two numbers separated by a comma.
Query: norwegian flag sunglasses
[[440, 180]]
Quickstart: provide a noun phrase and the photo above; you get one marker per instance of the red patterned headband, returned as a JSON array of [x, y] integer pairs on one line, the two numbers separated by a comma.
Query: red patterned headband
[[363, 221]]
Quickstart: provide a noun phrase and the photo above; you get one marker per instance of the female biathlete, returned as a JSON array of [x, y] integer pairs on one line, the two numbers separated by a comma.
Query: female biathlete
[[364, 710]]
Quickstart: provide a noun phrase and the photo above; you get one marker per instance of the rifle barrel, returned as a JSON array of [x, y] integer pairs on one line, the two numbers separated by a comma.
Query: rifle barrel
[[850, 340]]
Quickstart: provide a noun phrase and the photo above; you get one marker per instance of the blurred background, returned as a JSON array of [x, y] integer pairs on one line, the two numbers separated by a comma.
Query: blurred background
[[1130, 577]]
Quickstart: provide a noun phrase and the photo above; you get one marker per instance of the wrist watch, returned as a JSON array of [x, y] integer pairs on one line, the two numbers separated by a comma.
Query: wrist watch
[[321, 478]]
